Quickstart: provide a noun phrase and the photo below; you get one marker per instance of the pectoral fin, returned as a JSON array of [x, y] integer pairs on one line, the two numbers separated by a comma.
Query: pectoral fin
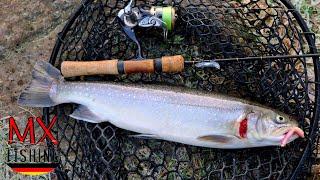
[[215, 138], [85, 114]]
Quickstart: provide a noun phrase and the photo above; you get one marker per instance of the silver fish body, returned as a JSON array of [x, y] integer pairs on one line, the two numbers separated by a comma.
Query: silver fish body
[[179, 117], [205, 120]]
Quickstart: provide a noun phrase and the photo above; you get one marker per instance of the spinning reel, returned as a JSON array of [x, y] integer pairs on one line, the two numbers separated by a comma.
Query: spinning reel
[[146, 16]]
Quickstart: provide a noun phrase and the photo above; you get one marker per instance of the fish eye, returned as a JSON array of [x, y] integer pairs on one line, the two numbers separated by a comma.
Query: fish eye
[[280, 120]]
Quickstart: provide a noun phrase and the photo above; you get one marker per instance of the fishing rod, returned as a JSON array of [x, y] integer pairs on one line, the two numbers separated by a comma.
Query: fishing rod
[[165, 64]]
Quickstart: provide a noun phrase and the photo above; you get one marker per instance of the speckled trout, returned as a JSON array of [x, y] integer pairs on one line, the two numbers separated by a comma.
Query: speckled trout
[[194, 118]]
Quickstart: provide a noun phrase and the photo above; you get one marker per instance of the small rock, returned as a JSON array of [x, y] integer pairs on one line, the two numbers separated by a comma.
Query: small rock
[[274, 41], [191, 82], [244, 2], [145, 168], [197, 161], [174, 176], [143, 153], [271, 11], [20, 82], [281, 31], [131, 163], [171, 163], [167, 148], [157, 157], [269, 21], [135, 77], [13, 99], [160, 173], [134, 176], [128, 148], [297, 45], [201, 74], [263, 40], [214, 79], [257, 23], [265, 32], [287, 43], [262, 14], [292, 51], [262, 4], [185, 170], [234, 4], [10, 78], [182, 154]]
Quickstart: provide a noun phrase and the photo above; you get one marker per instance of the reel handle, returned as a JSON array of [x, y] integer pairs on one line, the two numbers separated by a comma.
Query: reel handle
[[166, 64]]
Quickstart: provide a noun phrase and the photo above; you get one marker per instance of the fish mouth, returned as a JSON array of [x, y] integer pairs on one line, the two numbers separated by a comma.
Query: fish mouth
[[290, 135]]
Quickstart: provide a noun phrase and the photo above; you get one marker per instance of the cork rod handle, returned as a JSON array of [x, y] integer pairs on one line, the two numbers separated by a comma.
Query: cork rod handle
[[166, 64]]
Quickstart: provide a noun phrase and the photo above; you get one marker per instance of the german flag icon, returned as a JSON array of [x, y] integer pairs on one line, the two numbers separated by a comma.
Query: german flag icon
[[33, 169]]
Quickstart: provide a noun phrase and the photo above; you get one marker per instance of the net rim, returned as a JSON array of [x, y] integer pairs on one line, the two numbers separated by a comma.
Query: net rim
[[307, 153]]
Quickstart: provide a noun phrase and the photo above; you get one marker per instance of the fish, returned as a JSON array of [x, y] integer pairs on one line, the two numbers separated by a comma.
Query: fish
[[190, 117]]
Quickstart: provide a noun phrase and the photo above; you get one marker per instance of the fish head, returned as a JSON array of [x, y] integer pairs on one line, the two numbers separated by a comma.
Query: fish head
[[272, 127]]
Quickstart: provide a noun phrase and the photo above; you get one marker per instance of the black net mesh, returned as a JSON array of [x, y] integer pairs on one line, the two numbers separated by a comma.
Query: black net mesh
[[205, 29]]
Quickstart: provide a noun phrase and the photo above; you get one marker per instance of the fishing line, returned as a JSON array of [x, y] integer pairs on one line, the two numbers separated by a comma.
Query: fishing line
[[256, 58]]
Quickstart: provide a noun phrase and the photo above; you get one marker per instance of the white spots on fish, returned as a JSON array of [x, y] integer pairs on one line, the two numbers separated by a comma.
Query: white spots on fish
[[176, 123]]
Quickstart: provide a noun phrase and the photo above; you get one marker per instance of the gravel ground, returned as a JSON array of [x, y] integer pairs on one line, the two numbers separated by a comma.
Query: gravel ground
[[28, 30], [27, 34]]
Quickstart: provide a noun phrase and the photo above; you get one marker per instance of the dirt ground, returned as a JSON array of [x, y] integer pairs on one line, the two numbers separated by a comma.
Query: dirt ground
[[28, 30]]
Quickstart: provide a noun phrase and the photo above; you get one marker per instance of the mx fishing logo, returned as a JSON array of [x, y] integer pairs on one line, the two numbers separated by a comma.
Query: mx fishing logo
[[34, 154]]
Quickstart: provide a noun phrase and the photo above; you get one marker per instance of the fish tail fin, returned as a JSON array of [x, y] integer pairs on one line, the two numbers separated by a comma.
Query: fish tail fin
[[45, 79]]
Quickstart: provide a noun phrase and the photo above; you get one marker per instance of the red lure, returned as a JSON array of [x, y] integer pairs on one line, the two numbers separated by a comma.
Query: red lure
[[243, 128]]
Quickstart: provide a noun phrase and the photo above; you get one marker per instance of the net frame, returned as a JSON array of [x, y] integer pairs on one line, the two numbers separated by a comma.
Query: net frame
[[87, 165]]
